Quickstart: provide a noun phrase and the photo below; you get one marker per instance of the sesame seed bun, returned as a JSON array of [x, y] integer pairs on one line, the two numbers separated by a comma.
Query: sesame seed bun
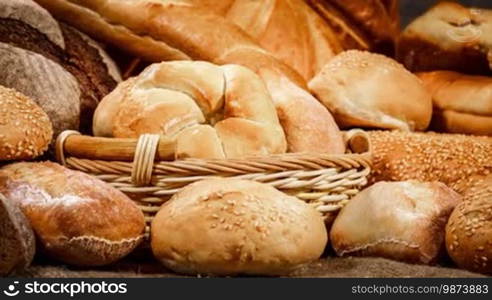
[[469, 230], [25, 129], [231, 226]]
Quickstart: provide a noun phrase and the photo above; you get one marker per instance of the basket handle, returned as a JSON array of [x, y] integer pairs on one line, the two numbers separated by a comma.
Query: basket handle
[[72, 143]]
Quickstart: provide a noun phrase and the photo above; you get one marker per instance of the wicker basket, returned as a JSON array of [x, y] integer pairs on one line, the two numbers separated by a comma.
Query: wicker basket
[[142, 170]]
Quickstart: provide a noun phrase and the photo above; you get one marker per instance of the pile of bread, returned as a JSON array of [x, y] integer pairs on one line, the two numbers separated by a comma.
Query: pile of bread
[[246, 78]]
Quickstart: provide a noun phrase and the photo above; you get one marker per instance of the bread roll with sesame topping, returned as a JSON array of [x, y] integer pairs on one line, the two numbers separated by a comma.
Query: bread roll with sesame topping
[[25, 129], [232, 226], [455, 160], [398, 220], [77, 218], [469, 230]]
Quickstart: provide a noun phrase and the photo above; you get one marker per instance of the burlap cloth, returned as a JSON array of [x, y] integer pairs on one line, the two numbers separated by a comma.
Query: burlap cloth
[[327, 267]]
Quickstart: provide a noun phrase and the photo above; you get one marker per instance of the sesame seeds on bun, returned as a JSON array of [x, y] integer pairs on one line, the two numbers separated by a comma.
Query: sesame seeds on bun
[[469, 230], [455, 160], [25, 129]]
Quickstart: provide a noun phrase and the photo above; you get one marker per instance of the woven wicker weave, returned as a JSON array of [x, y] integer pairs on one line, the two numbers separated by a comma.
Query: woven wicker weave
[[325, 181]]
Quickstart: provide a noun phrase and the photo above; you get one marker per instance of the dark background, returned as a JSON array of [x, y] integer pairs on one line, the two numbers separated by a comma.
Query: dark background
[[412, 8]]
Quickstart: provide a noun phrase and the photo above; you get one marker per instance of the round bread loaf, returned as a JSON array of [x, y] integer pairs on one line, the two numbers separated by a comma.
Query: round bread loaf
[[78, 219], [25, 129], [17, 243], [364, 89], [176, 99], [397, 220], [232, 226], [469, 230]]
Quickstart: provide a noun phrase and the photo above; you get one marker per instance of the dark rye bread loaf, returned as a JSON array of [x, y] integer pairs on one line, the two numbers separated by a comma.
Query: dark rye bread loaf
[[55, 90], [17, 243], [64, 46]]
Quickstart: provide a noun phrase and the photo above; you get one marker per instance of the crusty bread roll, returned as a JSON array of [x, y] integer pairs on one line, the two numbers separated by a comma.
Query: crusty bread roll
[[17, 244], [455, 160], [364, 89], [448, 37], [25, 129], [175, 99], [462, 103], [469, 230], [232, 226], [163, 30], [78, 219], [398, 220]]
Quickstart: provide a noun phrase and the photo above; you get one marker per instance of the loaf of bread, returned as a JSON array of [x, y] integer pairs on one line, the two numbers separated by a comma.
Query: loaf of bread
[[398, 220], [232, 226], [162, 31], [361, 24], [17, 243], [364, 89], [25, 129], [227, 113], [469, 230], [448, 37], [28, 27], [78, 219], [462, 103], [455, 160], [25, 71]]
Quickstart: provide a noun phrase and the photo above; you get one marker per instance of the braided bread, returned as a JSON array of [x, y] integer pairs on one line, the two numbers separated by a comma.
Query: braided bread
[[175, 99]]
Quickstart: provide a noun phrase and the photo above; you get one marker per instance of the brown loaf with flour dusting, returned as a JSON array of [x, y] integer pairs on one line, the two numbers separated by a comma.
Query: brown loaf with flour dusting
[[163, 30], [78, 219]]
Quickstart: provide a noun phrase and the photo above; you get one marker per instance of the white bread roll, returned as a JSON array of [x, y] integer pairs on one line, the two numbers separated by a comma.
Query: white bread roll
[[163, 30], [398, 220], [462, 103], [78, 219], [25, 129], [469, 230], [231, 226], [175, 99], [364, 89]]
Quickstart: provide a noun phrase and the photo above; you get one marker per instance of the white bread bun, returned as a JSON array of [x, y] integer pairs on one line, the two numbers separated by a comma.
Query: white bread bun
[[78, 219], [232, 226], [175, 99], [364, 89], [25, 129], [469, 230], [463, 103], [398, 220]]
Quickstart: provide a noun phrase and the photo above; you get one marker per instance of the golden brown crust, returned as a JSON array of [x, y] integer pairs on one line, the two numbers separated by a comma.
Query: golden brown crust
[[469, 230], [463, 103], [132, 25], [455, 160], [174, 98], [231, 226], [448, 37], [25, 129], [399, 220], [77, 218], [364, 89]]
